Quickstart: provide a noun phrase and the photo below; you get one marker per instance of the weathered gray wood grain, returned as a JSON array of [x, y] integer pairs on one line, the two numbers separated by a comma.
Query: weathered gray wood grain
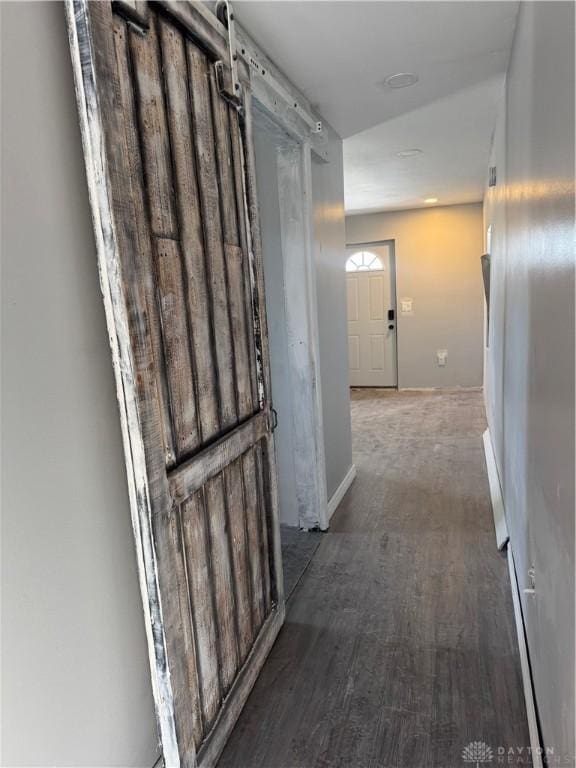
[[204, 28], [220, 558], [197, 552], [126, 93], [233, 254], [135, 11], [153, 130], [235, 508], [211, 218], [255, 261], [272, 589], [180, 638], [254, 534], [242, 217], [190, 226], [223, 153], [176, 346], [152, 124], [237, 302], [188, 477]]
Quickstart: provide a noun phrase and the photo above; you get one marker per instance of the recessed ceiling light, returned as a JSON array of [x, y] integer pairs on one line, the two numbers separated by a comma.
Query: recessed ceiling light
[[408, 152], [431, 200], [400, 80]]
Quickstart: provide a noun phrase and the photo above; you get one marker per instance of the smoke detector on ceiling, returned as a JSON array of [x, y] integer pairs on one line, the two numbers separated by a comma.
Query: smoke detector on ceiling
[[408, 152], [400, 80]]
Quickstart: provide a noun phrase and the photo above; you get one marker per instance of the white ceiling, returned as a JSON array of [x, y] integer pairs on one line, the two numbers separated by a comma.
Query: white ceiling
[[338, 54], [454, 136]]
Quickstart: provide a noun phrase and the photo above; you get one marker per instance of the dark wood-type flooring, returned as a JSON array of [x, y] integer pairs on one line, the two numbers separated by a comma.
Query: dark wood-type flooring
[[399, 646], [298, 547]]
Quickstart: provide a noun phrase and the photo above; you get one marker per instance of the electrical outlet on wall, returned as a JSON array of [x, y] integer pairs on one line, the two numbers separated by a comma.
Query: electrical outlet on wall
[[406, 306], [442, 357]]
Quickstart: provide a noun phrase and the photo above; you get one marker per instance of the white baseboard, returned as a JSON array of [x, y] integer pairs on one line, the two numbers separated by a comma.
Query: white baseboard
[[500, 526], [453, 388], [338, 494], [502, 537], [536, 747]]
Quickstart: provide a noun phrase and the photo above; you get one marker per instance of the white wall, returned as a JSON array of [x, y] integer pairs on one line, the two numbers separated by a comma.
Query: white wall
[[265, 146], [437, 253], [530, 372], [330, 244], [75, 679], [495, 218]]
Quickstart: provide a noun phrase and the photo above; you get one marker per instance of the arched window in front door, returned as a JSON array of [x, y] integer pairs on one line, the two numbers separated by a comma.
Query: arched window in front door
[[363, 261]]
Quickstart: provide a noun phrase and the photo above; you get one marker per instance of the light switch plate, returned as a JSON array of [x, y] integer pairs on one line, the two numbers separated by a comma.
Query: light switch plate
[[442, 357]]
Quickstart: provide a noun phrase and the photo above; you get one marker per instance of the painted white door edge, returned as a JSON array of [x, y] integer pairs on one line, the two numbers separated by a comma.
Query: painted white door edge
[[535, 746], [340, 492], [500, 526]]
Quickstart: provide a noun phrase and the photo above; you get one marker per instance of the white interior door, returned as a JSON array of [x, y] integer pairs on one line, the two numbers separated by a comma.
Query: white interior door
[[371, 316]]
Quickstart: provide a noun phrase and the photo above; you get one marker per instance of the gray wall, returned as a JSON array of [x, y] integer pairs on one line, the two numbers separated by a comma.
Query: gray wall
[[530, 372], [438, 266], [330, 245], [495, 219], [75, 678]]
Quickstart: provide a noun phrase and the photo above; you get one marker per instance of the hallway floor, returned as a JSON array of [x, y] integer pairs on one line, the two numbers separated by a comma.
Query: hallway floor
[[399, 646]]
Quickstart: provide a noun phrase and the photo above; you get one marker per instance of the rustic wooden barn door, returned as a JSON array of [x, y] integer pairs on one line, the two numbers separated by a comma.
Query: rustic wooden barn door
[[170, 170]]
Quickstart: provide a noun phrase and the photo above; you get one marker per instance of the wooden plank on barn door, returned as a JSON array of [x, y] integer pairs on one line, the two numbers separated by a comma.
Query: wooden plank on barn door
[[171, 181], [212, 221], [191, 230]]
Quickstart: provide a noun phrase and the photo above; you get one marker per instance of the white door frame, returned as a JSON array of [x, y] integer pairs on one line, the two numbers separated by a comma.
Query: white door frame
[[297, 146], [294, 157], [392, 244]]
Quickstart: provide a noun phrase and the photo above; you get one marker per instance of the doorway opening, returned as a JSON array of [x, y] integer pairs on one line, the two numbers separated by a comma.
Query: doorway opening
[[283, 173], [372, 315]]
